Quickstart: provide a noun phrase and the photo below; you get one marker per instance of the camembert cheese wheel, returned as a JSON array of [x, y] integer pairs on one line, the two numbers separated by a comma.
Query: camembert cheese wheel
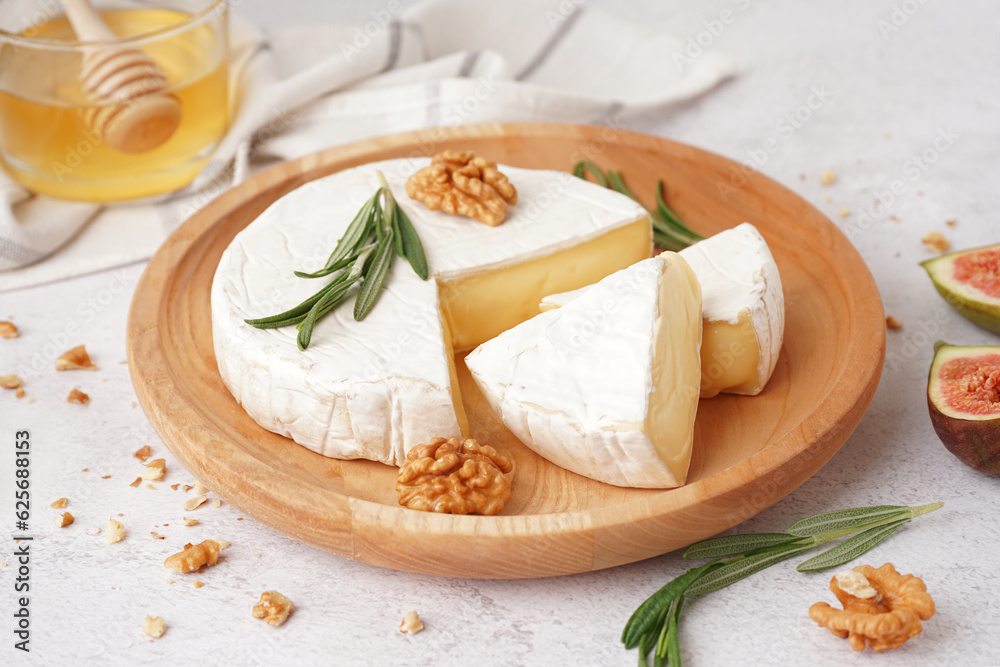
[[376, 388]]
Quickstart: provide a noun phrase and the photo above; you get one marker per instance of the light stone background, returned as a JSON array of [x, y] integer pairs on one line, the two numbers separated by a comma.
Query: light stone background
[[887, 97]]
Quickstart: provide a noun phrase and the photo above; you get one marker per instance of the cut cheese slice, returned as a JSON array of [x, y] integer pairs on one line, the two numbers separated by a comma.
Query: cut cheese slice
[[376, 388], [606, 386], [743, 310]]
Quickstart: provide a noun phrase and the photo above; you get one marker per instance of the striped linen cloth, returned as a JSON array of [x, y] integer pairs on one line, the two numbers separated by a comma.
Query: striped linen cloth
[[438, 63]]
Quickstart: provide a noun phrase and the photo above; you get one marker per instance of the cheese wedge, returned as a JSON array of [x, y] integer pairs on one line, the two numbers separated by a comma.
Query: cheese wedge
[[743, 310], [607, 385], [374, 389]]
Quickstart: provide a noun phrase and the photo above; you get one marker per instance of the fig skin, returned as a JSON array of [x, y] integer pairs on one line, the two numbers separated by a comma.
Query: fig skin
[[974, 442]]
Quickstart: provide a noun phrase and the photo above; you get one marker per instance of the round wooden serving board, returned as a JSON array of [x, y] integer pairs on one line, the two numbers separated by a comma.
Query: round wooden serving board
[[749, 452]]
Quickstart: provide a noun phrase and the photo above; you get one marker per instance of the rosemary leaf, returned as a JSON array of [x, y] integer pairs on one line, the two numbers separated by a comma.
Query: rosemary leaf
[[743, 567], [673, 647], [617, 182], [581, 168], [851, 548], [356, 232], [735, 544], [374, 278], [645, 617], [412, 247], [856, 517], [335, 294]]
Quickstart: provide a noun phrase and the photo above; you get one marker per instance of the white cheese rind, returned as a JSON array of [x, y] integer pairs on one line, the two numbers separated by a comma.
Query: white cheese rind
[[376, 388], [574, 384], [738, 276]]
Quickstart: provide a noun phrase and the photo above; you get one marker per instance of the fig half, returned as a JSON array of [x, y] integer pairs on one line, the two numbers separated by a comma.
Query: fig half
[[963, 396], [969, 280]]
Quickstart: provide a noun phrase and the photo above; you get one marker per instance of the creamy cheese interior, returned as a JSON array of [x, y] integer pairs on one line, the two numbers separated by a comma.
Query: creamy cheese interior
[[484, 305], [730, 357], [676, 369]]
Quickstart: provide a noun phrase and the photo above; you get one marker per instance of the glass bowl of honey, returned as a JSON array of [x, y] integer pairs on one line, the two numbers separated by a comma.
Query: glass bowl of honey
[[111, 102]]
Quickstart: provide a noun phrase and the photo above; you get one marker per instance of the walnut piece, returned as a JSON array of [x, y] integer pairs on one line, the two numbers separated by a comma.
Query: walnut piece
[[142, 453], [828, 177], [462, 184], [882, 608], [10, 381], [411, 624], [64, 519], [454, 478], [75, 359], [154, 626], [936, 241], [155, 470], [59, 504], [194, 556], [190, 522], [78, 397], [273, 607], [116, 531], [199, 488], [892, 323], [8, 330], [194, 502]]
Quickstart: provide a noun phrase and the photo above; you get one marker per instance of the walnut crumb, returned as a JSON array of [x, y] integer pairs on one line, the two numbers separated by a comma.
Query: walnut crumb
[[116, 531], [169, 580], [462, 184], [194, 556], [936, 241], [843, 212], [19, 393], [187, 487], [142, 453], [59, 504], [216, 503], [75, 359], [78, 397], [174, 486], [199, 488], [137, 482], [191, 522], [153, 626], [197, 584], [64, 519], [892, 323], [156, 535], [194, 502], [223, 545], [411, 624], [273, 607], [150, 486], [8, 330], [105, 476], [95, 530], [951, 223], [155, 470], [828, 177], [256, 555], [10, 381]]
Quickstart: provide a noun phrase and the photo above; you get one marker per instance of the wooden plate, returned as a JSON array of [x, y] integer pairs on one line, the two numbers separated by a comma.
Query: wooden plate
[[749, 451]]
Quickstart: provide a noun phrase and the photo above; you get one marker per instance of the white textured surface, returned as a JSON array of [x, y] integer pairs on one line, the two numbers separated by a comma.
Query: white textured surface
[[888, 101]]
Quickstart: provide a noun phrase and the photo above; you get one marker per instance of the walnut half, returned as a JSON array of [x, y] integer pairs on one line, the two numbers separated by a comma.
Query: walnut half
[[882, 608], [454, 477], [462, 184]]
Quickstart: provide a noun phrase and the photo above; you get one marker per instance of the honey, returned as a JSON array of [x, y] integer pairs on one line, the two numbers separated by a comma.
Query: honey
[[45, 142]]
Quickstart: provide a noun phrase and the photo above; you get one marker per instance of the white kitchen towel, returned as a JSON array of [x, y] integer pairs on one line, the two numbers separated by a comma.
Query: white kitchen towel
[[438, 63]]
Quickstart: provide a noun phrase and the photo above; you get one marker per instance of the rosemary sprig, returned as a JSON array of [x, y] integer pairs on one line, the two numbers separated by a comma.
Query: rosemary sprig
[[364, 253], [653, 626], [668, 231]]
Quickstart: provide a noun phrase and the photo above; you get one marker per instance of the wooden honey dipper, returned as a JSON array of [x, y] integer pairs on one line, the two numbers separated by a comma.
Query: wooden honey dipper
[[134, 113]]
